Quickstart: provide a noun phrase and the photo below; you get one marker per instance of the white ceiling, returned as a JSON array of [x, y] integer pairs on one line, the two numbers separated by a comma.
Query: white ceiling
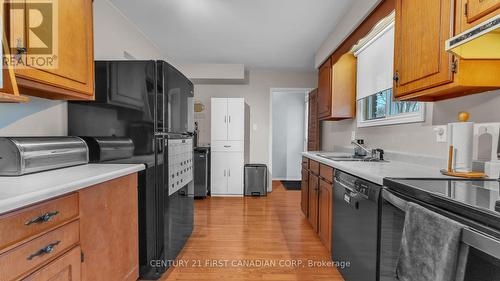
[[277, 34]]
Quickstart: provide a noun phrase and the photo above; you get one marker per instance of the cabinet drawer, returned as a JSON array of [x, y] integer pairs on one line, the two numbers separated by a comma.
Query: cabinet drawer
[[22, 224], [314, 167], [227, 146], [326, 172], [32, 254], [65, 268], [305, 163]]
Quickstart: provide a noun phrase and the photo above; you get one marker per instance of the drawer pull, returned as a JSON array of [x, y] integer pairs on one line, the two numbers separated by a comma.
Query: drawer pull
[[227, 146], [43, 218], [45, 250]]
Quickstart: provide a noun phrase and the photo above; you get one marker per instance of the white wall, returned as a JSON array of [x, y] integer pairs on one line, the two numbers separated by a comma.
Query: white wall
[[417, 138], [113, 34], [288, 133], [257, 95], [39, 117]]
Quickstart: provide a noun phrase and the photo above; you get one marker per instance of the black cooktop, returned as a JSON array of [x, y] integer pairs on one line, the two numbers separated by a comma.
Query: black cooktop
[[478, 200]]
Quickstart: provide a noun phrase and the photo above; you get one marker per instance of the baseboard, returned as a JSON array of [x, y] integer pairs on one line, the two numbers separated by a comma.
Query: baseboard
[[227, 195]]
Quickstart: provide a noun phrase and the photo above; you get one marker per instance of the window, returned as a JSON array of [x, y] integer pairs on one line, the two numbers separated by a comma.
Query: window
[[380, 109]]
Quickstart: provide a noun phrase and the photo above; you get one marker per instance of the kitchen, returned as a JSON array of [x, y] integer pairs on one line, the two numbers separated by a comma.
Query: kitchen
[[104, 153]]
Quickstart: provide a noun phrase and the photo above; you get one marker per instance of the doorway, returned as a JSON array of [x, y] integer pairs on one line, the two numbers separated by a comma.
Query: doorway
[[288, 137]]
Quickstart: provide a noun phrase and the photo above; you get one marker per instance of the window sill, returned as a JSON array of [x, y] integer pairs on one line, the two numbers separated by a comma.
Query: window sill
[[415, 117]]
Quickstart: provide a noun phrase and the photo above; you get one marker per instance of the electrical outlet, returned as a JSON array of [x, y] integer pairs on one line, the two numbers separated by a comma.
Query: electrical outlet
[[441, 133]]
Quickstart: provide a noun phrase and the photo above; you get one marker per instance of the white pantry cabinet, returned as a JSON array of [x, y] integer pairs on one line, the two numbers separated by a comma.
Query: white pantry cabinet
[[236, 119], [228, 119], [228, 146], [218, 119], [227, 173]]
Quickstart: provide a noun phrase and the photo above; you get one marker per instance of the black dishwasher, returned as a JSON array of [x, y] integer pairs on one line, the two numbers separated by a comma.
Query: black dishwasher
[[355, 227]]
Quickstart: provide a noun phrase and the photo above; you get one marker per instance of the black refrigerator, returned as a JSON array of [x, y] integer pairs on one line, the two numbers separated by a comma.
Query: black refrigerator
[[151, 103]]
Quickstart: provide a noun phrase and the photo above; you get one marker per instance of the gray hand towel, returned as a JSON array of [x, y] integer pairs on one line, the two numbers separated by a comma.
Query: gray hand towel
[[431, 247]]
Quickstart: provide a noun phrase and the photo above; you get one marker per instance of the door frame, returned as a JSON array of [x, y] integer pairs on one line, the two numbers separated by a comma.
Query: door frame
[[306, 91]]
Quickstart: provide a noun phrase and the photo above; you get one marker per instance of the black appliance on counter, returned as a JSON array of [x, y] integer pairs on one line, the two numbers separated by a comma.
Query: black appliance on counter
[[355, 226], [151, 104], [473, 203], [201, 172]]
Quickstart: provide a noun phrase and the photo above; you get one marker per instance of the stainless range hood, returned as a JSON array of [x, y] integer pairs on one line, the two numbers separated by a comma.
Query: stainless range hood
[[480, 42]]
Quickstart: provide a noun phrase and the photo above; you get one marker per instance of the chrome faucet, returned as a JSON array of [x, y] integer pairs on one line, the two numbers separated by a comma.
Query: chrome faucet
[[376, 153], [358, 145]]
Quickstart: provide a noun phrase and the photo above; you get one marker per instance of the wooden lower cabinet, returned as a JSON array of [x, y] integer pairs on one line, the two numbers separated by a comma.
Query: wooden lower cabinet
[[91, 235], [65, 268], [304, 200], [313, 200], [109, 230], [325, 213], [316, 199]]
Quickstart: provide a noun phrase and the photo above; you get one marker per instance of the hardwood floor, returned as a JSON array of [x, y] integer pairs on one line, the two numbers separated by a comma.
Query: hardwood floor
[[269, 234]]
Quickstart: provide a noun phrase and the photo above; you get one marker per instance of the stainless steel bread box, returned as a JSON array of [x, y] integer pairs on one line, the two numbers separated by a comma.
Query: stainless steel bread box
[[24, 155], [103, 149]]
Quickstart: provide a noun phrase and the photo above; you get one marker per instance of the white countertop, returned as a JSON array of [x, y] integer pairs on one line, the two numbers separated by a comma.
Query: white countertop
[[377, 171], [21, 191]]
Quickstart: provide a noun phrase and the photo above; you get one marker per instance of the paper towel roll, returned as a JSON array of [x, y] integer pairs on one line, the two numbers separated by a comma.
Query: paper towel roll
[[492, 169], [461, 136]]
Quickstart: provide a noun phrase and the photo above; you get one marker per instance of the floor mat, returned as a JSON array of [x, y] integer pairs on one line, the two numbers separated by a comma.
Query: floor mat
[[291, 185]]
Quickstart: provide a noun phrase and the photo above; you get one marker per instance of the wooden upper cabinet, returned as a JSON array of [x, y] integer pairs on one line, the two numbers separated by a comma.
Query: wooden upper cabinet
[[324, 90], [423, 70], [472, 12], [71, 43], [420, 60], [343, 105], [337, 89]]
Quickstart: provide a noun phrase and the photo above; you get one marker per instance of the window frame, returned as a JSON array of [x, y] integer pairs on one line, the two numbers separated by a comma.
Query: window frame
[[404, 118]]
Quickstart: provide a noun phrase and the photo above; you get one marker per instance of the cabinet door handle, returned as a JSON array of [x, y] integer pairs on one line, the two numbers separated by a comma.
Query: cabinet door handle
[[224, 173], [225, 119], [229, 172], [43, 218], [227, 146], [229, 118], [43, 251], [21, 50], [396, 78]]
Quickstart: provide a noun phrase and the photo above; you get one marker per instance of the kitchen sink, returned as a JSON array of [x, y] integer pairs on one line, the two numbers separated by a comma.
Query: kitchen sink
[[346, 157]]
